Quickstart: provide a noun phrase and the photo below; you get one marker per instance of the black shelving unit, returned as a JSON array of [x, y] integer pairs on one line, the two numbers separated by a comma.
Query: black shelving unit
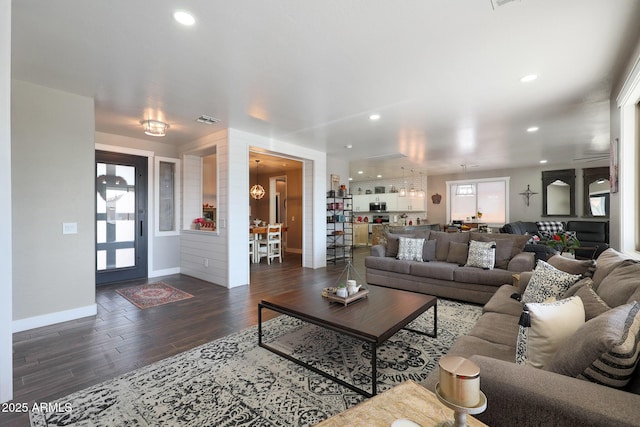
[[339, 228]]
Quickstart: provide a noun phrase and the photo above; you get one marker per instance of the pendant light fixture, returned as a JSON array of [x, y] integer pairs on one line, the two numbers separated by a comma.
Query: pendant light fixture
[[412, 189], [465, 189], [403, 188], [421, 192], [257, 191]]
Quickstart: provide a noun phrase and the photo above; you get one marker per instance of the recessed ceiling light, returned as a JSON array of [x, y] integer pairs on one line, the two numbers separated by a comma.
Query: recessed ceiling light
[[374, 117], [533, 129], [348, 146], [185, 18], [360, 172], [543, 161], [379, 176], [350, 179], [528, 78]]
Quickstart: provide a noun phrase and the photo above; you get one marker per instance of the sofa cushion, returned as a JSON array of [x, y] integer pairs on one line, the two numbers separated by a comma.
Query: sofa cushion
[[467, 346], [442, 242], [549, 325], [410, 249], [481, 254], [457, 253], [393, 244], [621, 284], [604, 350], [547, 281], [388, 264], [495, 277], [593, 304], [507, 245], [434, 270], [498, 328], [429, 250], [605, 264], [573, 266], [501, 302]]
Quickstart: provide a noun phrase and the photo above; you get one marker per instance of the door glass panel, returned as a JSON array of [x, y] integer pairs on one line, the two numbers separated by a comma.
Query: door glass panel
[[115, 216], [125, 258]]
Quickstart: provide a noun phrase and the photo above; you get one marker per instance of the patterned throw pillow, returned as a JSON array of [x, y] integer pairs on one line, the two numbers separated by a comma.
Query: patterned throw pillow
[[547, 281], [481, 254], [552, 226], [410, 249], [544, 327], [604, 350]]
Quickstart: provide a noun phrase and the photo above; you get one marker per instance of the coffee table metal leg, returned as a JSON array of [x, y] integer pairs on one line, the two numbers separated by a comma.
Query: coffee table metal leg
[[260, 324], [433, 334], [374, 369]]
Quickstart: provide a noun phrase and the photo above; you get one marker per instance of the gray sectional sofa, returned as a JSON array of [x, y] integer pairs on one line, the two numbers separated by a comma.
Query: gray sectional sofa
[[444, 274], [526, 396]]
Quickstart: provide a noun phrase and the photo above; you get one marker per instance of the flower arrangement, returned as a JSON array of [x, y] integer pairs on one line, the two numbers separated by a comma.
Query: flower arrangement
[[563, 242]]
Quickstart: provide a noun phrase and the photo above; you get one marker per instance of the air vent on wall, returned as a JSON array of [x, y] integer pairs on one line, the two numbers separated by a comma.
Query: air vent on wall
[[208, 120], [498, 3]]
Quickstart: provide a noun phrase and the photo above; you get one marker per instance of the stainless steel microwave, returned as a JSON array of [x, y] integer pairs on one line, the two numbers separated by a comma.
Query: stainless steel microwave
[[377, 206]]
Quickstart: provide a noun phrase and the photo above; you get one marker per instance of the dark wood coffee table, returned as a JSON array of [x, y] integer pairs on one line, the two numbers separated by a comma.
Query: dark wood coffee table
[[373, 319]]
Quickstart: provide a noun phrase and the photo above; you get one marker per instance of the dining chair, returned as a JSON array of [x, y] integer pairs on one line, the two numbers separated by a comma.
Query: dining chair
[[272, 245], [252, 250]]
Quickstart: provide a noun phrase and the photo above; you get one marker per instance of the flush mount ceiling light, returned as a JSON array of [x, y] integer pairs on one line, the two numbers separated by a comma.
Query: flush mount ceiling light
[[184, 18], [257, 191], [154, 127]]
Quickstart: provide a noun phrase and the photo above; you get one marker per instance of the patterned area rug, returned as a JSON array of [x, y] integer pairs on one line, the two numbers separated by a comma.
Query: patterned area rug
[[233, 382], [152, 294]]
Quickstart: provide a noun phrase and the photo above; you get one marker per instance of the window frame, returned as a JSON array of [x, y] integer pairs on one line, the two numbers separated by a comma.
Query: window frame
[[502, 179], [176, 196]]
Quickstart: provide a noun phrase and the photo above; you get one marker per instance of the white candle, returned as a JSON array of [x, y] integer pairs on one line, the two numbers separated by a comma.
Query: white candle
[[460, 381]]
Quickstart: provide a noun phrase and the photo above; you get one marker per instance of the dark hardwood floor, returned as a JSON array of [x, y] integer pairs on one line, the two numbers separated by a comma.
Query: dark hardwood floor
[[53, 361]]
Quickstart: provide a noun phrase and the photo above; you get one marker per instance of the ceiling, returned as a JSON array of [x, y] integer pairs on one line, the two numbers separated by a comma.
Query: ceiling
[[443, 75]]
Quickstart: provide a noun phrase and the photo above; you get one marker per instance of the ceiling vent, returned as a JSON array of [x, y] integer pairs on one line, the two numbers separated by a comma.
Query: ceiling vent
[[207, 120]]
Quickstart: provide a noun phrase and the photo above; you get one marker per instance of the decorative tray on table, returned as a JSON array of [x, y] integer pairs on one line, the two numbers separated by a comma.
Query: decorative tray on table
[[362, 293]]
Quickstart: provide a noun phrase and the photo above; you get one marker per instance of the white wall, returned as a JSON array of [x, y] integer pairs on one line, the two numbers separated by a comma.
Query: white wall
[[53, 182], [519, 179], [6, 354]]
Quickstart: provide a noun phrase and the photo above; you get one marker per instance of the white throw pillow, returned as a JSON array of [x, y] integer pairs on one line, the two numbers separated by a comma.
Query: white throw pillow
[[547, 281], [481, 254], [544, 327], [410, 249]]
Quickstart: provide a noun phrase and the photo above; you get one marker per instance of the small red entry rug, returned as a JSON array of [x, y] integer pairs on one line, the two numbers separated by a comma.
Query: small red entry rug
[[152, 294]]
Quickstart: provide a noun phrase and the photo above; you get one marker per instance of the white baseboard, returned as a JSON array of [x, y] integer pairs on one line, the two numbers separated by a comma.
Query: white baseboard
[[165, 272], [52, 318]]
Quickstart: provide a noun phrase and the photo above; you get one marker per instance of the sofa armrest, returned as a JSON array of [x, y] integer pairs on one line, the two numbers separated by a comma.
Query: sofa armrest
[[525, 396], [523, 281], [378, 250], [524, 261]]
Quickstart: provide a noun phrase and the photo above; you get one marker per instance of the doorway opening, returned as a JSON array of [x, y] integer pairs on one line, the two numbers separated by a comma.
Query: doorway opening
[[121, 217]]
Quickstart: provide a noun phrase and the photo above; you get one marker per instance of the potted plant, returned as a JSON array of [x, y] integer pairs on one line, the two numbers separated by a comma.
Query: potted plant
[[563, 243]]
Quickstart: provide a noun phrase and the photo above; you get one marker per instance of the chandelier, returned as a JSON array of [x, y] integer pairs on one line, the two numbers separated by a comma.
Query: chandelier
[[257, 191]]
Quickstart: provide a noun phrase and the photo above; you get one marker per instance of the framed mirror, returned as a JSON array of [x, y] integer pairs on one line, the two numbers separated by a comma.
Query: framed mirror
[[596, 192], [559, 193]]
